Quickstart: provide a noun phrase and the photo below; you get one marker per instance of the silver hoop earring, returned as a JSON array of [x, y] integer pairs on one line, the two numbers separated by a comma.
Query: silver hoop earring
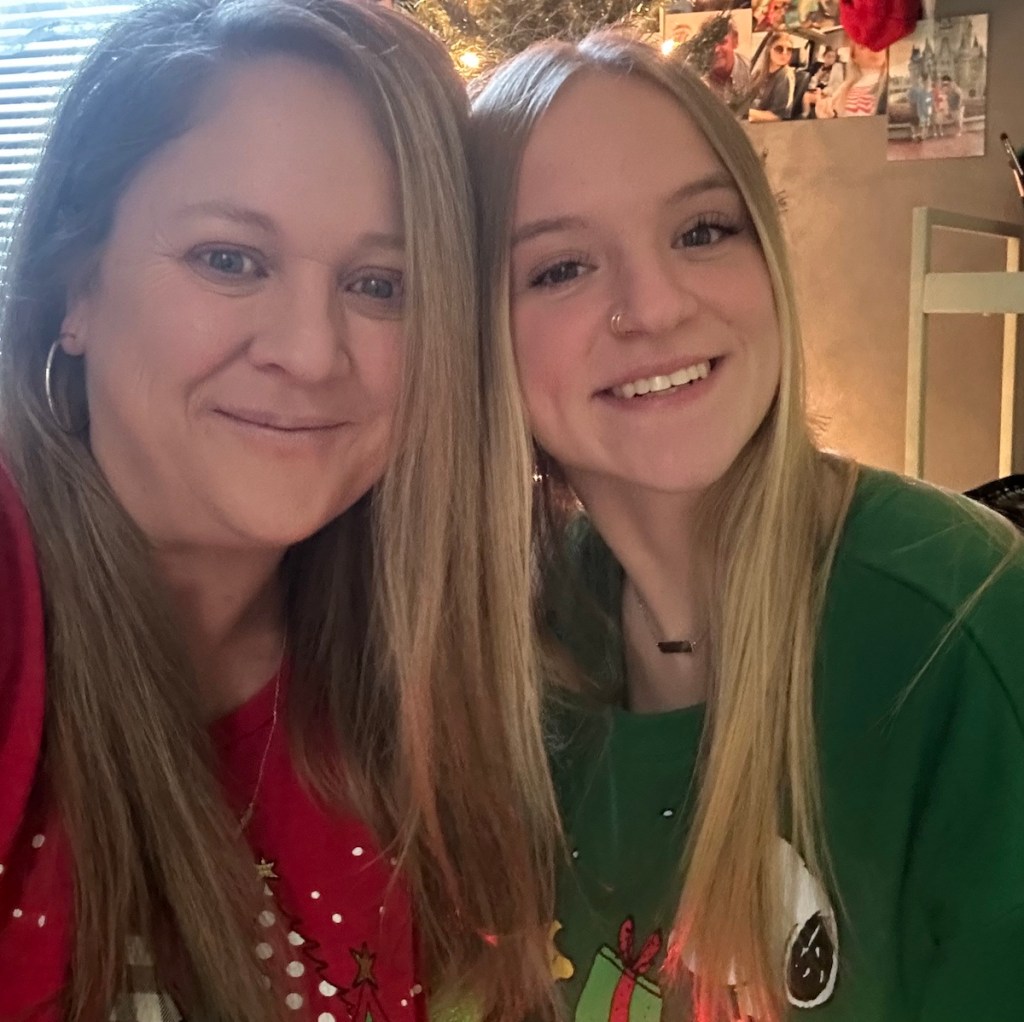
[[62, 423]]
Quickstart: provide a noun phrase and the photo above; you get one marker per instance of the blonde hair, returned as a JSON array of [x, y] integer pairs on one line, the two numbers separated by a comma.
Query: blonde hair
[[879, 90], [759, 752], [408, 616]]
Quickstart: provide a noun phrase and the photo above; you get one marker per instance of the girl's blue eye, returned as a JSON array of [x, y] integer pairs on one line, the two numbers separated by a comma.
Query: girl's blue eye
[[704, 233], [561, 273]]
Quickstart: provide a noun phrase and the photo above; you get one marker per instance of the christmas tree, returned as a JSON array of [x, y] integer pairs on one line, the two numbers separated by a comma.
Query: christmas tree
[[482, 33]]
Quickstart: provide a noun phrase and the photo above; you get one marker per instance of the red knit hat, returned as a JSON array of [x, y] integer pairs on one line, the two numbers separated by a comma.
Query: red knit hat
[[877, 24]]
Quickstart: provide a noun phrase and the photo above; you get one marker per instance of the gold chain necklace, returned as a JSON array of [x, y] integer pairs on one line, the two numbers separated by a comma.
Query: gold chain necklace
[[246, 817]]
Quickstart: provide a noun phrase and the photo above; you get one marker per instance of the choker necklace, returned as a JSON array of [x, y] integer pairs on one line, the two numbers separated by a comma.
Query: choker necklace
[[665, 645], [246, 817]]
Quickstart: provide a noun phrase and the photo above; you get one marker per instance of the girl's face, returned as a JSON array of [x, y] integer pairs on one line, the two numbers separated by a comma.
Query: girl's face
[[624, 210], [243, 334]]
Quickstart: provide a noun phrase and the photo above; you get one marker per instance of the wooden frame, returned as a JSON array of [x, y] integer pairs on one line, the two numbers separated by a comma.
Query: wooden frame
[[980, 293]]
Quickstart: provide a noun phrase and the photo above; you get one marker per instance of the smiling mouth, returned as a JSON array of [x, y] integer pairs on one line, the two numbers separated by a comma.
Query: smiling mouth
[[683, 377], [277, 424]]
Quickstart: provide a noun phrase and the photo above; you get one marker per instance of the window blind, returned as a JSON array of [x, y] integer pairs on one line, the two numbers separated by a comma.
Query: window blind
[[41, 42]]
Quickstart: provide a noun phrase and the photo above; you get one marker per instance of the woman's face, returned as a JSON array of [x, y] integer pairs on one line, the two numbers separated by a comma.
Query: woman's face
[[242, 330], [780, 51], [624, 208]]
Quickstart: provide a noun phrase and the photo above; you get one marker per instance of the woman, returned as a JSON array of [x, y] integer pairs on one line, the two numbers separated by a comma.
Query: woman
[[773, 100], [794, 777], [239, 450]]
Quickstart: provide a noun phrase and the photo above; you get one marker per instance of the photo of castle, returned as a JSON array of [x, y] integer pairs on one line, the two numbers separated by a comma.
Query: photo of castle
[[937, 90]]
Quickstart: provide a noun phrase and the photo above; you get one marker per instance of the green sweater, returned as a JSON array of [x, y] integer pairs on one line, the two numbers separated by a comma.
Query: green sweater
[[923, 805]]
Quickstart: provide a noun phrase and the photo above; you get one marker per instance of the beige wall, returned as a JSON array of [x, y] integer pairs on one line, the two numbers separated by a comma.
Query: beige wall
[[848, 217]]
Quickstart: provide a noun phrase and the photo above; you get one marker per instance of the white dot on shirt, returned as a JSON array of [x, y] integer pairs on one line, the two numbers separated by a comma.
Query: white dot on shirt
[[416, 990], [264, 951], [325, 1016], [294, 1001], [336, 918], [358, 850], [1, 869], [404, 1003], [295, 969], [267, 918], [17, 913], [575, 853], [668, 812], [295, 939], [327, 989], [314, 895], [41, 921], [37, 841]]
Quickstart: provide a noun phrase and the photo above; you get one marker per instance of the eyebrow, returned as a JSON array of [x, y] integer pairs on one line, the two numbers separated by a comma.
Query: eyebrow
[[247, 217], [546, 226], [229, 211], [716, 180]]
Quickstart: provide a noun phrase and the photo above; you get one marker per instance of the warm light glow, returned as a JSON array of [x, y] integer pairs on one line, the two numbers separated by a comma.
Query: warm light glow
[[668, 46], [470, 59]]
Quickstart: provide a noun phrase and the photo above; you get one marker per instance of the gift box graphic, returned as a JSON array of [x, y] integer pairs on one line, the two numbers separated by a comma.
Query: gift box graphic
[[618, 989]]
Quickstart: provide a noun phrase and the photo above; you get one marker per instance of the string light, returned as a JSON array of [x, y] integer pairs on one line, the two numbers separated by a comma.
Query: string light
[[470, 59], [668, 46]]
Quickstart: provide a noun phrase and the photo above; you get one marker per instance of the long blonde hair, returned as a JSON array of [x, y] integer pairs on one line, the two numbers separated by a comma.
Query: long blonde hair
[[408, 616], [759, 745]]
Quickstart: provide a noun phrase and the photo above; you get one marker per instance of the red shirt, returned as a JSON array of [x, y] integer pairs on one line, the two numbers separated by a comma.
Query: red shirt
[[350, 954]]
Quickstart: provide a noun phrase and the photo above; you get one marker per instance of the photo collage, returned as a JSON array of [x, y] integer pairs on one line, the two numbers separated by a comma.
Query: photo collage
[[788, 60]]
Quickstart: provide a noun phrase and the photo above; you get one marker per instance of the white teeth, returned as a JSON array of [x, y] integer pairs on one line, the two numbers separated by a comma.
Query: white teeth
[[658, 384]]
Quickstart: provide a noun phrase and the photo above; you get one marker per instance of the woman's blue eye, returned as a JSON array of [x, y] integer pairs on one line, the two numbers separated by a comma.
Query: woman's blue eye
[[377, 287], [560, 273], [229, 261]]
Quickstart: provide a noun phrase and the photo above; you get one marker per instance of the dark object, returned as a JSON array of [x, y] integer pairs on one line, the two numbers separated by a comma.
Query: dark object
[[675, 646], [1003, 495]]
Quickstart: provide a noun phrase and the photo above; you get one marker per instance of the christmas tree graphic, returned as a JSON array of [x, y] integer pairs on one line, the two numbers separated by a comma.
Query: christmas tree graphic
[[302, 950]]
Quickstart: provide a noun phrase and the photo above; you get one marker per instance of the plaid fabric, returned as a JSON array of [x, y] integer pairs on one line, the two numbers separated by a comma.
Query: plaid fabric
[[143, 1001], [1005, 496]]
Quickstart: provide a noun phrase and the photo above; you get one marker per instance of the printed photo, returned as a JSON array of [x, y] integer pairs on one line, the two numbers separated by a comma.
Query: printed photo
[[776, 15], [938, 90], [719, 46]]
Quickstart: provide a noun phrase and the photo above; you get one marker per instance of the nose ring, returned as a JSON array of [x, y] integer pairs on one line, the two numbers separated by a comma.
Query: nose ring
[[616, 324]]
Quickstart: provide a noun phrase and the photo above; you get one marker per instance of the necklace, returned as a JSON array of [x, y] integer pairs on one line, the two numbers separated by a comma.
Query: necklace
[[665, 645], [246, 817]]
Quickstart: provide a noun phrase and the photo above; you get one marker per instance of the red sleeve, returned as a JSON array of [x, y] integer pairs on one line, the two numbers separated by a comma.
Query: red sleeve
[[22, 665]]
